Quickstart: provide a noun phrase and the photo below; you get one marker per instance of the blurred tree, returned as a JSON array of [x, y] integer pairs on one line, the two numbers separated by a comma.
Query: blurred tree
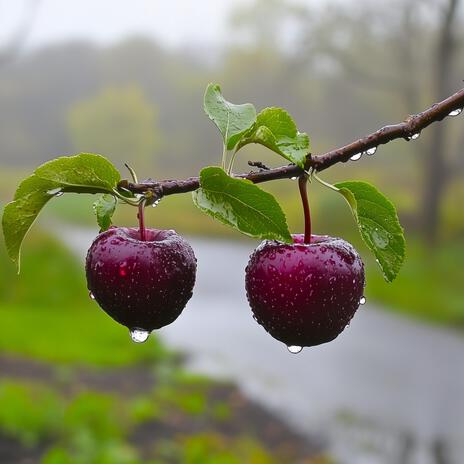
[[119, 123], [403, 49], [269, 24], [436, 170]]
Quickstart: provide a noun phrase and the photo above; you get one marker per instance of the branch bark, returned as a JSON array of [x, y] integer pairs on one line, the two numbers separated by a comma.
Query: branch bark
[[413, 124]]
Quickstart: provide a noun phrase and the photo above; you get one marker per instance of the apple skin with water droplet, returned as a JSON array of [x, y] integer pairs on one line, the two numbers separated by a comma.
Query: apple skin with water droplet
[[141, 284], [305, 294]]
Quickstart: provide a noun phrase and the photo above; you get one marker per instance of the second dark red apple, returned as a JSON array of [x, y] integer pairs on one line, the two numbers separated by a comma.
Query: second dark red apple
[[305, 294]]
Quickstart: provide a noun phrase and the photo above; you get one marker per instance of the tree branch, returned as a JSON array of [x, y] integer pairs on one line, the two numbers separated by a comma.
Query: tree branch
[[414, 124]]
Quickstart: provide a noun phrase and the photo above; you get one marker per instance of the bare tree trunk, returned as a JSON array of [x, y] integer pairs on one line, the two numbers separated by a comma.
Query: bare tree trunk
[[440, 452], [435, 164]]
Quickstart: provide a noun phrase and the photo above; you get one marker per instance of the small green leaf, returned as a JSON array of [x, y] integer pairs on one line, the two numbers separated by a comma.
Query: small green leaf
[[241, 204], [232, 120], [275, 129], [85, 172], [378, 224], [104, 209], [19, 215]]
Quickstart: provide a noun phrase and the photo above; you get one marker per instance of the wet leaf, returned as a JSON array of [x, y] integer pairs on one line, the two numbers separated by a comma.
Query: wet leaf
[[19, 215], [104, 209], [276, 130], [378, 224], [231, 120], [241, 204], [83, 173]]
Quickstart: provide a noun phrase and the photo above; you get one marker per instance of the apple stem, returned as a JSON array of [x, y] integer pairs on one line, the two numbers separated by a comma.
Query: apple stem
[[302, 184], [140, 216]]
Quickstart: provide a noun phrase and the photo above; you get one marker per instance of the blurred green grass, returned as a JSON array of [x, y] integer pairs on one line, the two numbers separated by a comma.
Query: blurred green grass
[[94, 428]]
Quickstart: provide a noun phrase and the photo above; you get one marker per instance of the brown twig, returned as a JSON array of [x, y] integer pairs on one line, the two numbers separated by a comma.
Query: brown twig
[[414, 124]]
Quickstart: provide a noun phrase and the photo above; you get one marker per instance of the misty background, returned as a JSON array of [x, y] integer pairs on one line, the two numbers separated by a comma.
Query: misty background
[[126, 80]]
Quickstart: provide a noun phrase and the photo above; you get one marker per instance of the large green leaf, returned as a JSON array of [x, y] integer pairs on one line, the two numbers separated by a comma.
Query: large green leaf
[[232, 120], [378, 224], [84, 173], [275, 129], [241, 204], [19, 215], [104, 209]]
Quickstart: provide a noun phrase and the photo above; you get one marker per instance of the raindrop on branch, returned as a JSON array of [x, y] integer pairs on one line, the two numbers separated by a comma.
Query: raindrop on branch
[[456, 112], [413, 136], [293, 178], [371, 151], [356, 157]]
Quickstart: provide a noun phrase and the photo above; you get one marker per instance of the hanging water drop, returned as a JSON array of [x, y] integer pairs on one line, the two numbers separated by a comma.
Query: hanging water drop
[[91, 296], [56, 192], [139, 335], [356, 157], [294, 349], [293, 178], [362, 300], [456, 112], [371, 151], [155, 203]]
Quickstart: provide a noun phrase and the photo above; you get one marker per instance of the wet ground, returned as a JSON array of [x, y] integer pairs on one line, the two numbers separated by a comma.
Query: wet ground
[[388, 390]]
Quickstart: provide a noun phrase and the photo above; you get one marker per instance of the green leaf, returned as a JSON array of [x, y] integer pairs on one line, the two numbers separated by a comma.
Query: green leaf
[[19, 215], [241, 204], [232, 120], [83, 173], [104, 209], [275, 129], [378, 224]]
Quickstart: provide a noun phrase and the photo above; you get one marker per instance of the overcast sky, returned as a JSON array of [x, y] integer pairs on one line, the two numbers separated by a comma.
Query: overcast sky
[[174, 22]]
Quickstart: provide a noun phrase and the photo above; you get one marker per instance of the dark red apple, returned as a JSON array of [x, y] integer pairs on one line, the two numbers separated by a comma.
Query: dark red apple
[[305, 294], [143, 285]]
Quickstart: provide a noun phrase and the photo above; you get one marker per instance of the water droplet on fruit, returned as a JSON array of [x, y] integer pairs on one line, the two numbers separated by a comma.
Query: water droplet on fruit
[[362, 300], [56, 192], [356, 157], [371, 151], [294, 349], [123, 269], [139, 335], [456, 112], [92, 296]]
